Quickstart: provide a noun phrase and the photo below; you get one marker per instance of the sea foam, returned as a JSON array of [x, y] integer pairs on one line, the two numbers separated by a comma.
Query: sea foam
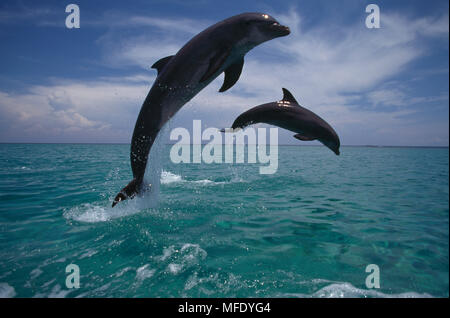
[[347, 290], [6, 291]]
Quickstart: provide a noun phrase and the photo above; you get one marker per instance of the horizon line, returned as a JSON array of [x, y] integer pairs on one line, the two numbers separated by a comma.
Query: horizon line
[[292, 145]]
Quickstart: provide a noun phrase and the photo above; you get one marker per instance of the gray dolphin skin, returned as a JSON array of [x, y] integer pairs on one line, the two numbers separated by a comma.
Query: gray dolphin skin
[[288, 114], [219, 48]]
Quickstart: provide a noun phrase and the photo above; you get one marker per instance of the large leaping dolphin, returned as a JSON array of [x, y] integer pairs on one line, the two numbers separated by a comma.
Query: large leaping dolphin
[[288, 114], [219, 48]]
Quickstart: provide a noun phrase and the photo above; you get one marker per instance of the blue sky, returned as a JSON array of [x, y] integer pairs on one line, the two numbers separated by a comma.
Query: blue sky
[[386, 86]]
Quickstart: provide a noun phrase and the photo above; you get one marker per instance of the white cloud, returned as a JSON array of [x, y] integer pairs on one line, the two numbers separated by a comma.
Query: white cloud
[[182, 25], [389, 97], [93, 111], [23, 14], [142, 52], [335, 74]]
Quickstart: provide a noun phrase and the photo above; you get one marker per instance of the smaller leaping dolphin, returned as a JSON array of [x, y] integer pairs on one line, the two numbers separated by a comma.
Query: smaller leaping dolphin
[[288, 114]]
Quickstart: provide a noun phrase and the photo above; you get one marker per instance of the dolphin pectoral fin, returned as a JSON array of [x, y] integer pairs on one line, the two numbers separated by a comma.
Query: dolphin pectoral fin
[[232, 74], [215, 63], [304, 138], [288, 97], [159, 65]]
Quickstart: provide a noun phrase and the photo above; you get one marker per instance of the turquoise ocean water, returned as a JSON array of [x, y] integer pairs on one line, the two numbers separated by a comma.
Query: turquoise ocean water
[[223, 230]]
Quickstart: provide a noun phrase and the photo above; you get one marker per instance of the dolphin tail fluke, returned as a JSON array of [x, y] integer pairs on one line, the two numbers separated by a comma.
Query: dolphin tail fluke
[[129, 192]]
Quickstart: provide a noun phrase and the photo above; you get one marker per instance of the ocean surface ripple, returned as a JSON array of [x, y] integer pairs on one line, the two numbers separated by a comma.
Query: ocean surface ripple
[[224, 230]]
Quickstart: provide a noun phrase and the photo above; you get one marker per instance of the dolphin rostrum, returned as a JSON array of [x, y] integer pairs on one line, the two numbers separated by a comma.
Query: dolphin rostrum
[[219, 48], [288, 114]]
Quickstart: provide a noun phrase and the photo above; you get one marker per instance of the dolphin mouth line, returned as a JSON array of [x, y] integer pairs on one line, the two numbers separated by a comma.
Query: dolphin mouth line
[[281, 29]]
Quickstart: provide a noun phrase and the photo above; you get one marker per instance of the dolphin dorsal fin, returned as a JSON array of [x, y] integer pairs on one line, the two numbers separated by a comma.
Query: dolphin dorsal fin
[[159, 65], [288, 97]]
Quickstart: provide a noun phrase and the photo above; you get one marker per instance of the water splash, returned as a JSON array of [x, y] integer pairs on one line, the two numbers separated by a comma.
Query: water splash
[[168, 177], [92, 213], [154, 168]]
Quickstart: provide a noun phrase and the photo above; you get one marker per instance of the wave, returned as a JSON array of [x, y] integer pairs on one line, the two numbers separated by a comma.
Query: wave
[[347, 290], [143, 272], [168, 177], [22, 168], [180, 259], [7, 291], [32, 169], [92, 213]]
